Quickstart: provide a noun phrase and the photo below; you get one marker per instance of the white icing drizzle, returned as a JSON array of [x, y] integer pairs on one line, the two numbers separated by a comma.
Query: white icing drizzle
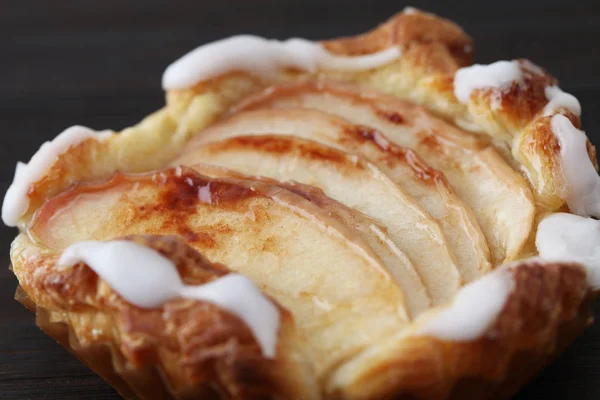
[[498, 75], [568, 237], [474, 309], [263, 57], [583, 183], [16, 200], [147, 279], [558, 99]]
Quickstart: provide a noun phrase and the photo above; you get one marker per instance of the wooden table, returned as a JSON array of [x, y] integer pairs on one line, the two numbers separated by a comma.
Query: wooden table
[[99, 63]]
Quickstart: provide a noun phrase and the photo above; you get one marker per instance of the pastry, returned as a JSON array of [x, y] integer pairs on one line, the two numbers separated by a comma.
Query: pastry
[[362, 218]]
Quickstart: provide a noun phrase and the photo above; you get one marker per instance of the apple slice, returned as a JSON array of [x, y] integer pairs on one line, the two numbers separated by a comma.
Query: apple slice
[[396, 262], [500, 198], [341, 296], [402, 166], [352, 181]]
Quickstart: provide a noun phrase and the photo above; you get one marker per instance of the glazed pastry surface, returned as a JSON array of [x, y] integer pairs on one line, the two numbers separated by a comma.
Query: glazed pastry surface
[[360, 218]]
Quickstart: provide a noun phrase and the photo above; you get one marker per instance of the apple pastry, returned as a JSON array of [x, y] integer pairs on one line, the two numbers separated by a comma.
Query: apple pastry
[[361, 218]]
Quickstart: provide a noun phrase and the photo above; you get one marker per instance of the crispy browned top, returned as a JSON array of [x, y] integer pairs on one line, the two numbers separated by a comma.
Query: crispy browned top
[[394, 110], [521, 103], [396, 152], [285, 145], [181, 186], [178, 197], [408, 30]]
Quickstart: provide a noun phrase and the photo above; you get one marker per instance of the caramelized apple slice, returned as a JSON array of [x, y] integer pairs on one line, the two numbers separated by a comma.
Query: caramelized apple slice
[[396, 262], [499, 196], [352, 181], [402, 166], [340, 294]]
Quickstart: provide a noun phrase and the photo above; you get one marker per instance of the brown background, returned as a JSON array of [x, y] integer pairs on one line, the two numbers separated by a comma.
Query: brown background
[[99, 63]]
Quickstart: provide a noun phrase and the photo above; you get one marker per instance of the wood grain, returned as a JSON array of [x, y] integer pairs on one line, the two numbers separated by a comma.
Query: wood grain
[[99, 64]]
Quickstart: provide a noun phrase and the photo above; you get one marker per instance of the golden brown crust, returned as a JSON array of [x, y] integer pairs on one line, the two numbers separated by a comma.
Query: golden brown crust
[[410, 31], [514, 116], [432, 55], [550, 303], [517, 118], [196, 345], [519, 104]]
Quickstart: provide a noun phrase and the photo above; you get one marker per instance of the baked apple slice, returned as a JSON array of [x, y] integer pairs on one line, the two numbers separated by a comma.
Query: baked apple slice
[[348, 179], [474, 169], [376, 236], [403, 167], [342, 297]]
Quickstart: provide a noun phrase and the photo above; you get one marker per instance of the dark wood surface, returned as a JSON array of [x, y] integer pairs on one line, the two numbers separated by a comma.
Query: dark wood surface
[[99, 63]]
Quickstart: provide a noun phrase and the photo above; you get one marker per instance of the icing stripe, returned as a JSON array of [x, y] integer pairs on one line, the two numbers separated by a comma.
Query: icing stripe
[[568, 237], [582, 191], [498, 75], [558, 99], [262, 57], [16, 200], [474, 309]]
